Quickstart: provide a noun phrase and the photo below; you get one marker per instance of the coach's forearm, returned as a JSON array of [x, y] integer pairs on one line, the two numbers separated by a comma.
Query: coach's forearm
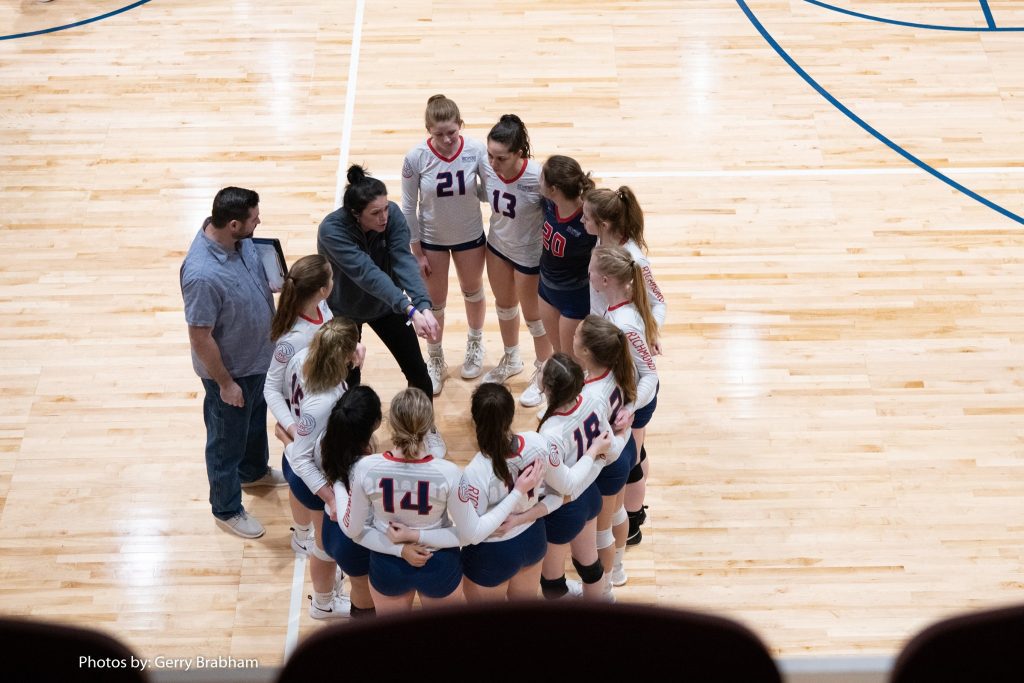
[[206, 348]]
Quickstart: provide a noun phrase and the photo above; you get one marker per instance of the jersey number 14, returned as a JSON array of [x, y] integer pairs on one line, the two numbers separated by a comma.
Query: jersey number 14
[[422, 505]]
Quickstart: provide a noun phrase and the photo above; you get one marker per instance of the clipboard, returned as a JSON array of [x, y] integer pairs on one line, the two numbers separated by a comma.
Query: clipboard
[[272, 257]]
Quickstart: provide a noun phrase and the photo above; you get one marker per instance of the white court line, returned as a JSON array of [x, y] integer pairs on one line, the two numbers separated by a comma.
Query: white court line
[[295, 606], [350, 102], [783, 172], [299, 571]]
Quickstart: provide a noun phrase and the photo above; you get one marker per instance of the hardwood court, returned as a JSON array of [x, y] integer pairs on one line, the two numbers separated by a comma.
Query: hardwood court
[[838, 447]]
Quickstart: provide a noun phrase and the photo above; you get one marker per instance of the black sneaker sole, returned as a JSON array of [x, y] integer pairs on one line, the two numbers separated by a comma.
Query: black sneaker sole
[[635, 538]]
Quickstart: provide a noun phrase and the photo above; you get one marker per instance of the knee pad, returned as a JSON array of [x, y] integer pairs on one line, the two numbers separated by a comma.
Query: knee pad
[[319, 554], [552, 589], [605, 538], [636, 474], [536, 328], [590, 573], [473, 297], [620, 516], [507, 313], [643, 454]]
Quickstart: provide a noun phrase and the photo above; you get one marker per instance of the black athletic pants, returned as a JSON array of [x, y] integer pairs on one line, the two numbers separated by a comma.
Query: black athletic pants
[[404, 345]]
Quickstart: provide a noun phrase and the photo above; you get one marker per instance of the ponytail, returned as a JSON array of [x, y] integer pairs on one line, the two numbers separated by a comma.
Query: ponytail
[[327, 361], [562, 381], [609, 348], [349, 434], [621, 211], [493, 408], [511, 132], [305, 278]]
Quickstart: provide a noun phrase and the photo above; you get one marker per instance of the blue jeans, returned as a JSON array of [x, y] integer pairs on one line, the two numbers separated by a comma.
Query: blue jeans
[[236, 443]]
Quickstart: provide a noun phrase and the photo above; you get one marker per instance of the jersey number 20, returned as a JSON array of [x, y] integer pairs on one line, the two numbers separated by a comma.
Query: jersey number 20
[[422, 505], [555, 243]]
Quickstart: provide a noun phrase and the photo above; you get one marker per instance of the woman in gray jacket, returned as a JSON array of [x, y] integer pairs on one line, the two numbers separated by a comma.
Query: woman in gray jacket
[[376, 277]]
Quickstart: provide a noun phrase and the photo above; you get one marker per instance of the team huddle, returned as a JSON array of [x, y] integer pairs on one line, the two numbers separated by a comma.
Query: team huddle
[[403, 520]]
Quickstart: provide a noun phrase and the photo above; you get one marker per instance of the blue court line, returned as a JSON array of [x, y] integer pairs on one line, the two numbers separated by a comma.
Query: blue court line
[[992, 28], [988, 14], [924, 166], [73, 25]]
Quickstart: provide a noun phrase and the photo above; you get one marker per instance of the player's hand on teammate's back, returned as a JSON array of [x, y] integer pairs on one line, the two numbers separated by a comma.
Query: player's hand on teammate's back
[[232, 395], [416, 554], [656, 349], [603, 443], [623, 421], [283, 435], [530, 477], [400, 533]]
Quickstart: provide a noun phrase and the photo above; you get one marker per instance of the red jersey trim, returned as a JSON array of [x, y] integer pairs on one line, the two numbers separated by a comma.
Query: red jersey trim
[[319, 317], [574, 215], [519, 175], [579, 402], [520, 445], [598, 379], [388, 455], [620, 305], [447, 160]]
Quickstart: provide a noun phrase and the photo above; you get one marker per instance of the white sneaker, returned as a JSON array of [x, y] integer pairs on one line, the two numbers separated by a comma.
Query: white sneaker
[[619, 577], [575, 588], [339, 608], [508, 366], [302, 541], [242, 525], [434, 444], [533, 396], [473, 365], [608, 595], [437, 369]]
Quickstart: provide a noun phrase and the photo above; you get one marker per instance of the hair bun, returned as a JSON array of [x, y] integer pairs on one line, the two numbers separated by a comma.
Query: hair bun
[[435, 98], [356, 174]]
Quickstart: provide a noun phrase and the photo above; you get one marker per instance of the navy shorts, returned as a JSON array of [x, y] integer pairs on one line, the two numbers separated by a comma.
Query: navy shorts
[[525, 270], [565, 523], [644, 415], [309, 500], [465, 246], [438, 578], [353, 558], [613, 477], [571, 303], [492, 564]]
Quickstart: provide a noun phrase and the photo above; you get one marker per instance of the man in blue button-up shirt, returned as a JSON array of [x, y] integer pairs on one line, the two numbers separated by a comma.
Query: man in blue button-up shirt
[[228, 308]]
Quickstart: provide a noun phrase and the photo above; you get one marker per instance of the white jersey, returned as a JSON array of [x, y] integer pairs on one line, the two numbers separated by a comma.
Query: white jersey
[[441, 195], [278, 390], [517, 219], [311, 413], [368, 536], [606, 393], [480, 490], [599, 306], [569, 435], [627, 318], [420, 494]]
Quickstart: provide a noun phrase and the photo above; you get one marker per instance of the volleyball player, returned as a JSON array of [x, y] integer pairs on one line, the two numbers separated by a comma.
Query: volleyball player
[[620, 280], [574, 428], [611, 379], [301, 310], [348, 437], [563, 290], [318, 374], [441, 203], [616, 219], [514, 245]]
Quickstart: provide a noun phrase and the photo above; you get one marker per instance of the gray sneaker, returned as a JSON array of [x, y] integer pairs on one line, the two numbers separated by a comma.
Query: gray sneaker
[[437, 369], [473, 364], [271, 478], [242, 525], [434, 444], [534, 395], [508, 366]]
